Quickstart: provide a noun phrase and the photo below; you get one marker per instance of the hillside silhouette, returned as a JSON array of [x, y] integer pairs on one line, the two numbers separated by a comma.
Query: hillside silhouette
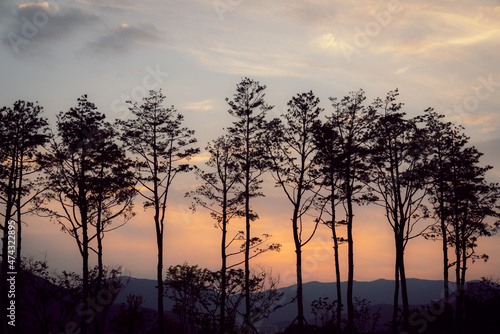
[[483, 301]]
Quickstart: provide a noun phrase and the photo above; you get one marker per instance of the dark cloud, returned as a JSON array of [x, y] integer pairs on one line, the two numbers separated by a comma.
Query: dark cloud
[[125, 38], [33, 27]]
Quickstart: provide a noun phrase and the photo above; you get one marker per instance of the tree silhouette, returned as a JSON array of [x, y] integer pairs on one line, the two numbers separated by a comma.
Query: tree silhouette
[[249, 109], [472, 200], [325, 314], [22, 132], [70, 172], [461, 202], [161, 147], [131, 319], [444, 140], [295, 170], [343, 153], [330, 160], [196, 303], [220, 194], [397, 177], [90, 181], [364, 317]]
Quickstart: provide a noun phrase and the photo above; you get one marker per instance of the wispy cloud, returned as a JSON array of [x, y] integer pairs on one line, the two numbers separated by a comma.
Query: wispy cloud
[[486, 122], [199, 106]]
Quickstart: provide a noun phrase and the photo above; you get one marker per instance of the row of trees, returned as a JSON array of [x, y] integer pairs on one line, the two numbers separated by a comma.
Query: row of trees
[[91, 171]]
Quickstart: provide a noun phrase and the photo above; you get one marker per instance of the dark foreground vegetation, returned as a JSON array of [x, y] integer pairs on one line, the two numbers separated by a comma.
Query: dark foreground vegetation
[[51, 303], [87, 174]]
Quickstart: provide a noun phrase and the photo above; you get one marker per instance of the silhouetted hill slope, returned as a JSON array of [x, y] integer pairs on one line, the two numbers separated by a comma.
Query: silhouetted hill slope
[[378, 292], [145, 288]]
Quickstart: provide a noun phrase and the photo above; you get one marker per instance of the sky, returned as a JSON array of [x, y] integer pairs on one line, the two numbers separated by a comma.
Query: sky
[[440, 54]]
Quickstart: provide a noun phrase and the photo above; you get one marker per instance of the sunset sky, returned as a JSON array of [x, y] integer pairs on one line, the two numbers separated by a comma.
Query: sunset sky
[[441, 54]]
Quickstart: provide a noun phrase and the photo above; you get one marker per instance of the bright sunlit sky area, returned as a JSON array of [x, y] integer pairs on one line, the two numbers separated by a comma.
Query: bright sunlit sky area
[[440, 54]]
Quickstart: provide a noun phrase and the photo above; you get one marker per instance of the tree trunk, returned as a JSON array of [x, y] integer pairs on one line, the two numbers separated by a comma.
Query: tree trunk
[[19, 281], [404, 289], [298, 247], [85, 266], [446, 287], [444, 233], [247, 324], [159, 268], [298, 253], [159, 233], [395, 309], [19, 215], [222, 320], [247, 260], [99, 235], [460, 289], [300, 301], [82, 194], [100, 271], [159, 282], [100, 266], [350, 277], [462, 276], [337, 265]]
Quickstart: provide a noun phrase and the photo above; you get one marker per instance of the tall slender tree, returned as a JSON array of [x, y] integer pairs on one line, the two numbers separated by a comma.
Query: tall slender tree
[[295, 169], [112, 182], [444, 140], [472, 202], [249, 109], [70, 166], [330, 159], [397, 177], [161, 147], [350, 120], [220, 193], [23, 131]]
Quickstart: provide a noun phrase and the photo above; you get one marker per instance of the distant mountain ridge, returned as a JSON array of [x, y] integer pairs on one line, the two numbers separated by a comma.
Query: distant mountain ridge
[[378, 292]]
